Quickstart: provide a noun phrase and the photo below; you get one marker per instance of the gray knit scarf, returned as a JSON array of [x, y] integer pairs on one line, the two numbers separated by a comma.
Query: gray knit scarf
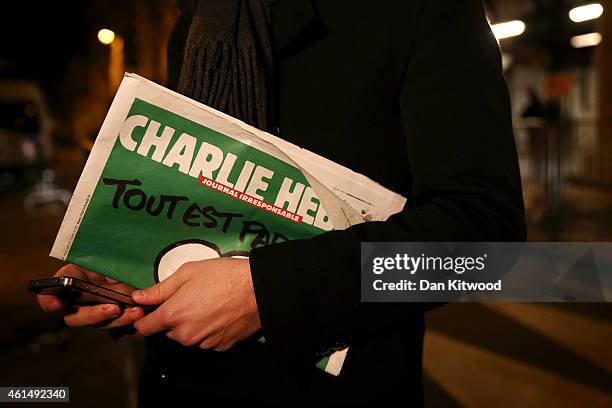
[[228, 62]]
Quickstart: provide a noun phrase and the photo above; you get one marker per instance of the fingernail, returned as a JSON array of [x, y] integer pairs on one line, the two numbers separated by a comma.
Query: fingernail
[[137, 294], [112, 311]]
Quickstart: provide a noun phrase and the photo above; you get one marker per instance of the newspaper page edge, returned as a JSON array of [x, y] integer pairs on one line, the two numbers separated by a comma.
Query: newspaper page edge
[[105, 141]]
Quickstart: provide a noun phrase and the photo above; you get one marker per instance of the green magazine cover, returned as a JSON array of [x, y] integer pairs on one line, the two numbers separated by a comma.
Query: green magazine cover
[[170, 180]]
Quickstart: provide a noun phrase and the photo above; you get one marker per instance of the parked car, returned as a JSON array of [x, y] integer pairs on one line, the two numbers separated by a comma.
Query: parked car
[[25, 130]]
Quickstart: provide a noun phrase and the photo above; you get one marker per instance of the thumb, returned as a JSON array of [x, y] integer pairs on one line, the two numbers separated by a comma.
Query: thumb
[[158, 293]]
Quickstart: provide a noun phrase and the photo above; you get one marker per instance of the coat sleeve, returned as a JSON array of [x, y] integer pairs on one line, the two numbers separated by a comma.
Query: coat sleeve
[[466, 187]]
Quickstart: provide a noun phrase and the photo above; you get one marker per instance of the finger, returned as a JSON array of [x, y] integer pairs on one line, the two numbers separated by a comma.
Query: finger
[[210, 342], [186, 335], [129, 316], [71, 270], [90, 315], [111, 280], [49, 303], [79, 272], [156, 294], [75, 271], [160, 319], [224, 347], [92, 276]]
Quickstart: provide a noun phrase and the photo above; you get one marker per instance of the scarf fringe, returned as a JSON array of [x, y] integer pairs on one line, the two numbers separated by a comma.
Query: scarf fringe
[[231, 76]]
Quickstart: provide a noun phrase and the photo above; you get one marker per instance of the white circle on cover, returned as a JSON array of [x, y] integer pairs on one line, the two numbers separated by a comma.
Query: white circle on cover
[[173, 259], [176, 257]]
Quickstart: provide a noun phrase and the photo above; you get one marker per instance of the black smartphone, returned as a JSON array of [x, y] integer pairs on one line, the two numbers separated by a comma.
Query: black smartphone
[[69, 288]]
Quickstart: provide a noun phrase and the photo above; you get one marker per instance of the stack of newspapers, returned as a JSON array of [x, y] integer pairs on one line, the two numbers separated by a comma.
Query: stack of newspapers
[[170, 180]]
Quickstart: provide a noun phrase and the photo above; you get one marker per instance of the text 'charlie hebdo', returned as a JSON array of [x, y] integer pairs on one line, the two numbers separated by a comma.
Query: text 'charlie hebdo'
[[205, 161]]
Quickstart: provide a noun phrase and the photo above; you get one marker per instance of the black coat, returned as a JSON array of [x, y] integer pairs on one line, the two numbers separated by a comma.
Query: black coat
[[410, 94]]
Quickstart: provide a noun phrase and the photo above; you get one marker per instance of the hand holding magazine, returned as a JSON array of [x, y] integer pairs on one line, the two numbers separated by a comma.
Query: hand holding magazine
[[170, 180]]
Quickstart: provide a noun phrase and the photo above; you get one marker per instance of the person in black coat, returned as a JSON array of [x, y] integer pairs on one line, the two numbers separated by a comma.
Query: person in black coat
[[410, 94]]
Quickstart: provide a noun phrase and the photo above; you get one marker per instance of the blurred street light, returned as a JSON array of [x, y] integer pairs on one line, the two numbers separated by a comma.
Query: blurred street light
[[585, 40], [116, 66], [508, 29], [106, 36], [586, 12], [507, 60]]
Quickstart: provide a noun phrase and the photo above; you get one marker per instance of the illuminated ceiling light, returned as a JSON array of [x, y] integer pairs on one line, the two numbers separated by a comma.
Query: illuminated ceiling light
[[586, 40], [586, 12], [508, 29], [106, 36]]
